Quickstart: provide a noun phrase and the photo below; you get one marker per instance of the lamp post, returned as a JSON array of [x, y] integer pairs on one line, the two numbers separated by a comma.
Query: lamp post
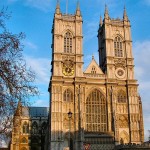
[[69, 116]]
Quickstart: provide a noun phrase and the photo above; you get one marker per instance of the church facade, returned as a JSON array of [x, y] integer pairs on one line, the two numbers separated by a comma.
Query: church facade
[[94, 109], [30, 126], [103, 100]]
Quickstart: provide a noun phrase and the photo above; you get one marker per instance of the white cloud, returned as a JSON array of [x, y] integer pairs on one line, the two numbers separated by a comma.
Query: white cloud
[[142, 73], [30, 45], [142, 57], [147, 2], [41, 67]]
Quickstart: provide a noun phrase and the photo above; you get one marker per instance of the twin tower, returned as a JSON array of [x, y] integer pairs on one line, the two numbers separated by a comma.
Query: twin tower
[[100, 106]]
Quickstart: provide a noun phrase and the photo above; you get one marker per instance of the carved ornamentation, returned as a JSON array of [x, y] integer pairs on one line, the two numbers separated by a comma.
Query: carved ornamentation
[[123, 121], [120, 63]]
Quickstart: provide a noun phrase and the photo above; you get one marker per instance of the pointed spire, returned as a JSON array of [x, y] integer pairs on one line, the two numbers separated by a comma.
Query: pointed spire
[[125, 17], [101, 21], [78, 5], [92, 57], [78, 12], [18, 110], [106, 15], [106, 9], [57, 10]]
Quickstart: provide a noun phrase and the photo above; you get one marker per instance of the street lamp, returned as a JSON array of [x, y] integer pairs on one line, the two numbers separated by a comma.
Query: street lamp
[[69, 116]]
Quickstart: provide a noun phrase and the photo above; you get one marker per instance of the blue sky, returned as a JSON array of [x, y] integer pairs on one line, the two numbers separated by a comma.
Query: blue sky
[[34, 18]]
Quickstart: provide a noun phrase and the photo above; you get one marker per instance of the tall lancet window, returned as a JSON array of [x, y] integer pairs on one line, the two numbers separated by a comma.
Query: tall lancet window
[[68, 95], [25, 127], [68, 43], [118, 47], [96, 112]]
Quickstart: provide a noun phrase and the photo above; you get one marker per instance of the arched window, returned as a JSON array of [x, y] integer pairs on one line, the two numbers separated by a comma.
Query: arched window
[[43, 128], [93, 71], [118, 47], [68, 96], [122, 97], [68, 43], [23, 140], [124, 137], [96, 112], [25, 127], [34, 128]]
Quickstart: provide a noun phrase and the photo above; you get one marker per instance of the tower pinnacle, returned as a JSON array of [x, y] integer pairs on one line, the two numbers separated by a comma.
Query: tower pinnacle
[[57, 11], [78, 12], [125, 17], [106, 15]]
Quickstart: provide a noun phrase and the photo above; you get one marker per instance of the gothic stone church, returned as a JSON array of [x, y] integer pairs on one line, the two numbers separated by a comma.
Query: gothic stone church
[[96, 108]]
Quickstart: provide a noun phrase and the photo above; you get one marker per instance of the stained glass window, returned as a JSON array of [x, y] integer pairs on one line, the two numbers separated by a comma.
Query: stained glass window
[[96, 112], [25, 127], [68, 43], [34, 128], [118, 47]]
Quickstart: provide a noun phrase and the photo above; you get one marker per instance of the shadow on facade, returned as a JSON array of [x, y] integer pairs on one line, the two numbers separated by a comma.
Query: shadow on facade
[[80, 139], [93, 140]]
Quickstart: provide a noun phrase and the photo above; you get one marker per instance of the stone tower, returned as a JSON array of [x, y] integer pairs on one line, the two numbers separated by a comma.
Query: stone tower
[[103, 100], [67, 73], [116, 61]]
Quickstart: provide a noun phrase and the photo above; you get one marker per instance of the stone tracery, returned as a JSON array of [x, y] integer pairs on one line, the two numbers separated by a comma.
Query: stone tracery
[[96, 112]]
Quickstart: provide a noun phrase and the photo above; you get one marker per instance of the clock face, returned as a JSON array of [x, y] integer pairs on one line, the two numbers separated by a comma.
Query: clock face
[[68, 68], [120, 73]]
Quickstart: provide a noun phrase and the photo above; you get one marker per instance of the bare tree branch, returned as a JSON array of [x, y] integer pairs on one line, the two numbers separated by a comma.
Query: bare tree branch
[[16, 80]]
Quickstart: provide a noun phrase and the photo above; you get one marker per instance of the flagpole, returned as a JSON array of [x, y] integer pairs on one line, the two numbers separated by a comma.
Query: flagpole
[[66, 6]]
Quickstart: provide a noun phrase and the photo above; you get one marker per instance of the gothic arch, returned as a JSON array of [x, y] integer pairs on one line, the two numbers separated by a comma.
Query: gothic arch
[[124, 137], [93, 88], [25, 127], [68, 95], [43, 127], [119, 35], [96, 114], [24, 140], [34, 127], [68, 42], [118, 46], [68, 30]]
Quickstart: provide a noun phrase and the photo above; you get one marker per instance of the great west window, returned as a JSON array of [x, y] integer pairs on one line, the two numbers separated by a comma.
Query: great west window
[[96, 112]]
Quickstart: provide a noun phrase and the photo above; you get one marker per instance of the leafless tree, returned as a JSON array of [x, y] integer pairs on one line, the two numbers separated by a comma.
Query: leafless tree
[[16, 79]]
